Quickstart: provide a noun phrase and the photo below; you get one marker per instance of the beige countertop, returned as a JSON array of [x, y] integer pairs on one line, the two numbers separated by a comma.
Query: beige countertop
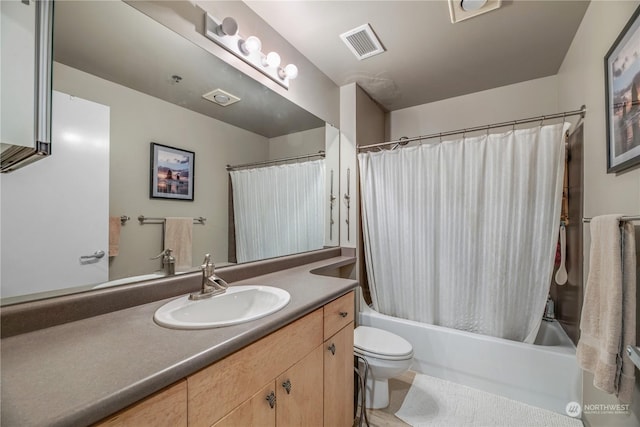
[[80, 372]]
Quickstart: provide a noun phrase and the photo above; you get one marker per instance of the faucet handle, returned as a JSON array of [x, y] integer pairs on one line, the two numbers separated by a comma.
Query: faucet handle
[[207, 266], [166, 256]]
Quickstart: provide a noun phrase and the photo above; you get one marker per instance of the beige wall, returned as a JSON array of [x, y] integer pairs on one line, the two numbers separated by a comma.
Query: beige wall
[[581, 81], [516, 101], [136, 121], [297, 144]]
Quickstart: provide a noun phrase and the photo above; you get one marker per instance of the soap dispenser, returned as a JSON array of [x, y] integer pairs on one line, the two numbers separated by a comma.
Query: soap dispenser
[[168, 261]]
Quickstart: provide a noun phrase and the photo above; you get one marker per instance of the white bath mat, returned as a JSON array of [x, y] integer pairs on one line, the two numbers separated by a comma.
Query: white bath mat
[[432, 402]]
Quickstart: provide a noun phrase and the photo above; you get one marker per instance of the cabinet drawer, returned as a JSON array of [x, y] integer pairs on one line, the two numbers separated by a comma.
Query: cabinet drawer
[[219, 388], [338, 313]]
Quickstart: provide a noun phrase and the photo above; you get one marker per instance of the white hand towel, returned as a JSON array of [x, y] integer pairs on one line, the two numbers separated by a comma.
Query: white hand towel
[[178, 236], [607, 323]]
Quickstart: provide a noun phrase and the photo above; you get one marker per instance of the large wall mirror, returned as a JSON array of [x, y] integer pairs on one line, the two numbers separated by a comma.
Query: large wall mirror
[[121, 83]]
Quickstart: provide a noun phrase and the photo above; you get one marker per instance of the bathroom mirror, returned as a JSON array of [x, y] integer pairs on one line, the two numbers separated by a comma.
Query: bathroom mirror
[[152, 82]]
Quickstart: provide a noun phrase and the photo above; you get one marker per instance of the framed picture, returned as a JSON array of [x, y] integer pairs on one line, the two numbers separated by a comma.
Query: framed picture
[[622, 79], [171, 173]]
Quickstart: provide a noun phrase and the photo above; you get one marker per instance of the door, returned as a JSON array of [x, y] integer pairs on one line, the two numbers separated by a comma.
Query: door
[[72, 187]]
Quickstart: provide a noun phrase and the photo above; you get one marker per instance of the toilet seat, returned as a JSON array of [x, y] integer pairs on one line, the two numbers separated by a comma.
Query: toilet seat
[[380, 344]]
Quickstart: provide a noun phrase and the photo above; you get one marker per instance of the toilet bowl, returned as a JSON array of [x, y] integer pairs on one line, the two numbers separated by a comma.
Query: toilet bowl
[[387, 355]]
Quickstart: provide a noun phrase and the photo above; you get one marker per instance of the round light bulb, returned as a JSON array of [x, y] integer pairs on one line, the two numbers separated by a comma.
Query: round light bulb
[[471, 5], [221, 98], [272, 59], [250, 45], [229, 27], [291, 71]]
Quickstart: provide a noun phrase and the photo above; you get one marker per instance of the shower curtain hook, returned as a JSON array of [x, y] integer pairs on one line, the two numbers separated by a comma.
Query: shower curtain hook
[[440, 136], [542, 121]]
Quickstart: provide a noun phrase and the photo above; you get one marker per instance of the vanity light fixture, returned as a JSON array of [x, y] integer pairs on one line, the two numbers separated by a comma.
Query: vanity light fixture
[[225, 33]]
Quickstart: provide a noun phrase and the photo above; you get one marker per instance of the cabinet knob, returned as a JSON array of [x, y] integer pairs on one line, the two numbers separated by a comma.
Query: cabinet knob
[[344, 313], [332, 348], [287, 386], [271, 398]]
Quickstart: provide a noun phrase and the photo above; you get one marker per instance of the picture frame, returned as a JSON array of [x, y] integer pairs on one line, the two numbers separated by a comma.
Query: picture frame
[[172, 173], [622, 83]]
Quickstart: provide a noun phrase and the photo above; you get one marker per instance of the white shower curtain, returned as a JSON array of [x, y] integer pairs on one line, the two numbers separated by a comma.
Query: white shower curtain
[[278, 210], [463, 233]]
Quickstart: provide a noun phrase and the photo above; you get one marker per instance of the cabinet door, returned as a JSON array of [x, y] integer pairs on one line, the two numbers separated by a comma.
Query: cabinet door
[[338, 378], [257, 411], [220, 388], [165, 408], [299, 392]]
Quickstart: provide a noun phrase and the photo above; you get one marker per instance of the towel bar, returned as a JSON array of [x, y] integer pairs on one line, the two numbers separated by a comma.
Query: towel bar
[[634, 355], [150, 220], [622, 218]]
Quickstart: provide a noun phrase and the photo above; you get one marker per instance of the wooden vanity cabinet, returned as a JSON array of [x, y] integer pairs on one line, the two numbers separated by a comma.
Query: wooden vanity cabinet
[[300, 375]]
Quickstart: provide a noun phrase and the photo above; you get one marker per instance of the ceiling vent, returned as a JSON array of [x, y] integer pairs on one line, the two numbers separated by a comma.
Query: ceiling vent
[[221, 97], [465, 9], [362, 41]]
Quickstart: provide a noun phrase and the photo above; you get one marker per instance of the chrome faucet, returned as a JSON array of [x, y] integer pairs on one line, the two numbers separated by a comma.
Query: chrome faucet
[[211, 284], [549, 310], [168, 262]]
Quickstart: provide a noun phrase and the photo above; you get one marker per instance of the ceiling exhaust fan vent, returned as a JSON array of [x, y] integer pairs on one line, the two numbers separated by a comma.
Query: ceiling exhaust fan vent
[[362, 41]]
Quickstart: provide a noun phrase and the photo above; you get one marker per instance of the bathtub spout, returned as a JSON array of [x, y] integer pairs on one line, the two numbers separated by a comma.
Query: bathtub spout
[[549, 310]]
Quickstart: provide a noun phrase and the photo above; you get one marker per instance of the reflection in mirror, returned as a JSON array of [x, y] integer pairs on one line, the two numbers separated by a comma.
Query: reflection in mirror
[[141, 83]]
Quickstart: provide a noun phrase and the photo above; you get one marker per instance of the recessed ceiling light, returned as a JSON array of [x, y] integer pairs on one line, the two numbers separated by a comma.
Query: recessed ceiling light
[[221, 97], [470, 5], [465, 9]]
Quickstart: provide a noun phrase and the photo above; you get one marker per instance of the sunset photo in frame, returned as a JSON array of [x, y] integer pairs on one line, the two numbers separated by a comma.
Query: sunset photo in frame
[[171, 173], [622, 81]]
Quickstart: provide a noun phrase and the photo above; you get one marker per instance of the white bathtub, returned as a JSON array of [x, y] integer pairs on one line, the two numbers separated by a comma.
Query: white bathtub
[[544, 374]]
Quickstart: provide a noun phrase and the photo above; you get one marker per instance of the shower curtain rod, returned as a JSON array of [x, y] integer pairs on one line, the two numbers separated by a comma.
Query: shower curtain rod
[[267, 162], [404, 140]]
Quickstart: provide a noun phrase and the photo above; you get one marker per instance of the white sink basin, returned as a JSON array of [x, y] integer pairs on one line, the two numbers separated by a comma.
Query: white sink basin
[[238, 304]]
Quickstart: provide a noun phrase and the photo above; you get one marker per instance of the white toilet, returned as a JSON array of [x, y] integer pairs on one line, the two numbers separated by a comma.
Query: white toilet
[[388, 356]]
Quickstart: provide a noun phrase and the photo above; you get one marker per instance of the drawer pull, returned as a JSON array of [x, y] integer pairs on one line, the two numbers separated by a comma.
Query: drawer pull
[[332, 349], [271, 398], [287, 386], [344, 313]]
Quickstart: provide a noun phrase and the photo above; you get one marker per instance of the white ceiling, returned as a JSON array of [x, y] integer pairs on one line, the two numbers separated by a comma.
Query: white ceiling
[[427, 57]]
